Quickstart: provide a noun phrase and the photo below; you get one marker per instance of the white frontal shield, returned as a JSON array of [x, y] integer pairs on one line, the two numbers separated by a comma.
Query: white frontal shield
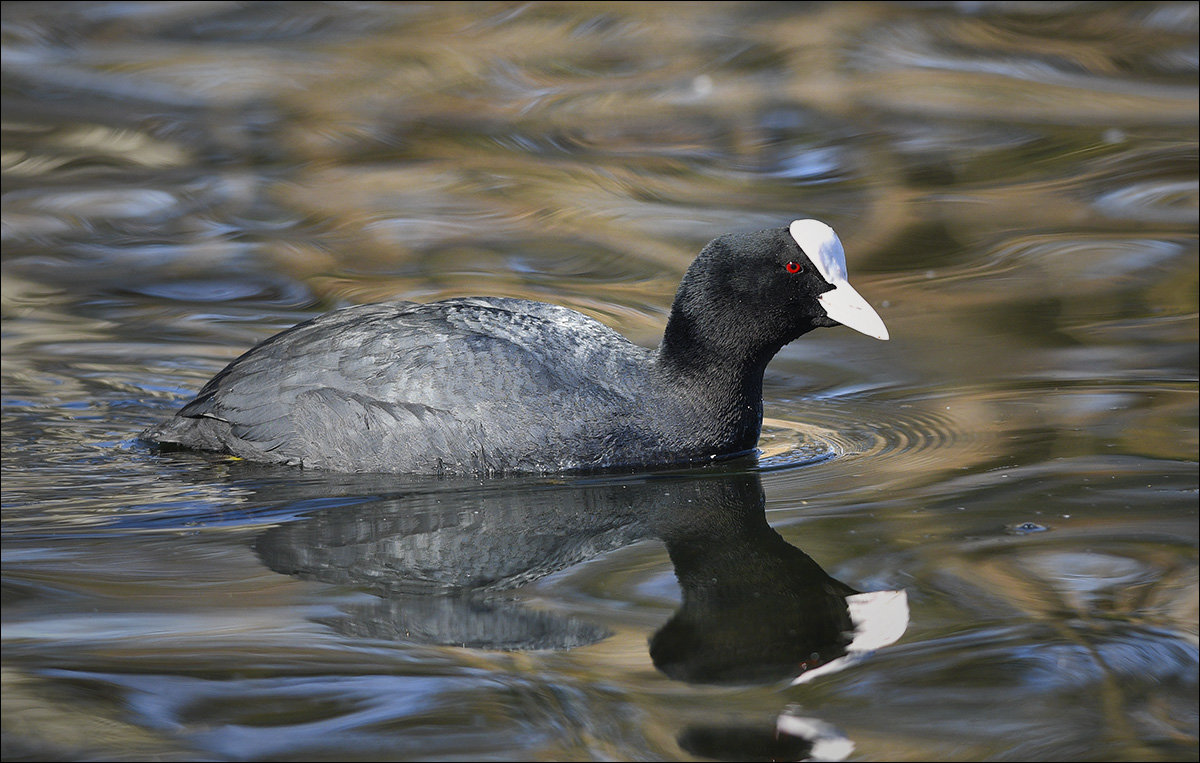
[[843, 304]]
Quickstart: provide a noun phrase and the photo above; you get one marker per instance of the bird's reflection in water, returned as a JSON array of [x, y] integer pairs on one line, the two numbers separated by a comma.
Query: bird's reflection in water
[[442, 563], [755, 608]]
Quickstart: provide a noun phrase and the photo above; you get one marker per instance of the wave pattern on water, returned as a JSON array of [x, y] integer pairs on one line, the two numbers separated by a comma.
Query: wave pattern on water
[[1016, 188]]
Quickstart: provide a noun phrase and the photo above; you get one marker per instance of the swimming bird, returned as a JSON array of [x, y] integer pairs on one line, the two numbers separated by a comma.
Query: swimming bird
[[491, 385]]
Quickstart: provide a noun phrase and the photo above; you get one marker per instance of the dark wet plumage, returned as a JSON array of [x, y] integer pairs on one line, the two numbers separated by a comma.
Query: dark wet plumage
[[489, 385]]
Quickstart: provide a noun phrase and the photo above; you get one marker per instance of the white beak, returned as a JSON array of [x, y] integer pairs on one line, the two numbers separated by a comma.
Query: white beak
[[846, 306], [843, 304]]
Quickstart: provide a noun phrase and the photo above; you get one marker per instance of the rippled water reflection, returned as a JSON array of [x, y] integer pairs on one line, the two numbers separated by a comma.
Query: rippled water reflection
[[1016, 185]]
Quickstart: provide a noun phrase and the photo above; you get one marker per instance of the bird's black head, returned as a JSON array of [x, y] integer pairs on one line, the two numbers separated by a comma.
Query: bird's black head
[[752, 293]]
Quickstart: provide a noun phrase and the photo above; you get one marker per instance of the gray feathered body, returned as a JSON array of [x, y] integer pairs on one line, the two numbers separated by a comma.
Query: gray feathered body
[[477, 385]]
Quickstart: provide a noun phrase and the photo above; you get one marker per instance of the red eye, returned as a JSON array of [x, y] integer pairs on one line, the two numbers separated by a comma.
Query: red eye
[[793, 267]]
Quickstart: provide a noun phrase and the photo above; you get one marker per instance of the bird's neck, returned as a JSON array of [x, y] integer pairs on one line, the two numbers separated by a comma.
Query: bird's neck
[[719, 376]]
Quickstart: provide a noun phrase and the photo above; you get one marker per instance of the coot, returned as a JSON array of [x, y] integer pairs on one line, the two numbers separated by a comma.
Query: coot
[[488, 385]]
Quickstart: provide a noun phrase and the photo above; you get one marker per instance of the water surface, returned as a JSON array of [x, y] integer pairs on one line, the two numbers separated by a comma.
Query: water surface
[[1016, 186]]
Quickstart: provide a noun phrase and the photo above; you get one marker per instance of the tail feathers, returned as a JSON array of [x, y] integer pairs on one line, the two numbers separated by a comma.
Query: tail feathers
[[180, 431]]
